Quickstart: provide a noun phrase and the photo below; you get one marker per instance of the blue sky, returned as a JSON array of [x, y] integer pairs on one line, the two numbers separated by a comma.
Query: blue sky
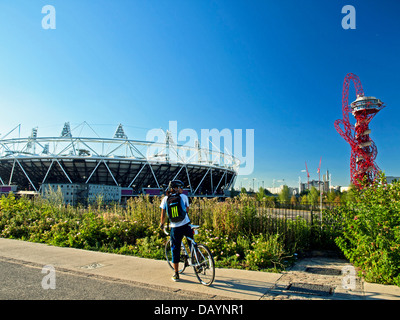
[[273, 66]]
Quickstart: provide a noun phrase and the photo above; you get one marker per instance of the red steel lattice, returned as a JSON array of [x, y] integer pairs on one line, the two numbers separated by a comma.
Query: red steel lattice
[[363, 149]]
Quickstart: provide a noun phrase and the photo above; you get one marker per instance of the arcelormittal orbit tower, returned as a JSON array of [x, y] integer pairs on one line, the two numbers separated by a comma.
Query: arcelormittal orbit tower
[[363, 149]]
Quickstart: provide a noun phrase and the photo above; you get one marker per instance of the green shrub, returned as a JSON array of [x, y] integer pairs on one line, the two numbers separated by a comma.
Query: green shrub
[[267, 252], [240, 232], [370, 235], [250, 252]]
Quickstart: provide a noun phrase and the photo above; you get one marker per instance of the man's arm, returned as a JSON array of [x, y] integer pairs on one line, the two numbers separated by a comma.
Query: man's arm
[[186, 201], [163, 215]]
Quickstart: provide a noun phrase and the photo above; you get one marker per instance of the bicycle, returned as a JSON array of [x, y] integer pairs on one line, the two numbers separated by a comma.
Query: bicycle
[[199, 257]]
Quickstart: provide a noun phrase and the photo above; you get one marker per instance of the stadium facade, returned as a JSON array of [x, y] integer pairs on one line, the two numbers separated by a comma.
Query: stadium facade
[[135, 167]]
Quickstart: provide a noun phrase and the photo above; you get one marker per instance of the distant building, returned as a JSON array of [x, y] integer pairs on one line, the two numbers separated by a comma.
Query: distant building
[[391, 179], [74, 193], [325, 183], [344, 189], [334, 188], [277, 190]]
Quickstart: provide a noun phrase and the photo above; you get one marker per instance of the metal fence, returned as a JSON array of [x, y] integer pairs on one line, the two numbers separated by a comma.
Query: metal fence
[[298, 224]]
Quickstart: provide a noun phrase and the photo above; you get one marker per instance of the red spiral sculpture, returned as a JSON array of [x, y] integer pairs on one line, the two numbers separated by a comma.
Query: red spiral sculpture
[[363, 149]]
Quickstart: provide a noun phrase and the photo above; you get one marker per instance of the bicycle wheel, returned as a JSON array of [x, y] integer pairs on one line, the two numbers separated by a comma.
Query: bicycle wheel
[[203, 266], [182, 260]]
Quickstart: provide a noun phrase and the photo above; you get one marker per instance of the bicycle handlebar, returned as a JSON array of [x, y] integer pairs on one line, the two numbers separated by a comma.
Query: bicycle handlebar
[[194, 227], [165, 230]]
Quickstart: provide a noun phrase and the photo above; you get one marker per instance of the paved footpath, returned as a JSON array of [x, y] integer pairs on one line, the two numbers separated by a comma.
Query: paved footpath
[[317, 277]]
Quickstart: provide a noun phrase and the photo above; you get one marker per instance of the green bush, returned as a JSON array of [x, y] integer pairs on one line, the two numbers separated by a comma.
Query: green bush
[[370, 232], [257, 252], [267, 252], [240, 232]]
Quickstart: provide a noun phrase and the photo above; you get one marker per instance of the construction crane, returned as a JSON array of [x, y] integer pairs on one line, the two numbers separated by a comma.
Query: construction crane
[[308, 177], [319, 173]]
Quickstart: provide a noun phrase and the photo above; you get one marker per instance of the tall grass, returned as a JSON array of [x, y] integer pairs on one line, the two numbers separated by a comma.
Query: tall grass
[[241, 232]]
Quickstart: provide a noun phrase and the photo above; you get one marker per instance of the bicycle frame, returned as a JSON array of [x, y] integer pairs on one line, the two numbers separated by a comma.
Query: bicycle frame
[[193, 245], [193, 252], [197, 256]]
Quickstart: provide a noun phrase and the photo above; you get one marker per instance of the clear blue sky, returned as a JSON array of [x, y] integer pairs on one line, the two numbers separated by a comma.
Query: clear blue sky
[[273, 66]]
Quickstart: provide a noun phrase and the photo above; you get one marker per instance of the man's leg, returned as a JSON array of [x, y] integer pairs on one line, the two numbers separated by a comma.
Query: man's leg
[[176, 240]]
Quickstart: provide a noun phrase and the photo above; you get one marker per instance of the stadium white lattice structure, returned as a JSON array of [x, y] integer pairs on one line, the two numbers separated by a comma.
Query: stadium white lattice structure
[[34, 161]]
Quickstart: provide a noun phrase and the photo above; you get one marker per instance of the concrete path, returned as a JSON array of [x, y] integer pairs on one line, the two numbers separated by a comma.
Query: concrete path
[[314, 278]]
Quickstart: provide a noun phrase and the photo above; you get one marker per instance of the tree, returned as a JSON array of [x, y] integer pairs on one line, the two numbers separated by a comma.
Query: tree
[[331, 195], [304, 192], [304, 199], [352, 193], [260, 194], [271, 201], [234, 193], [313, 197], [284, 195], [243, 190], [55, 197]]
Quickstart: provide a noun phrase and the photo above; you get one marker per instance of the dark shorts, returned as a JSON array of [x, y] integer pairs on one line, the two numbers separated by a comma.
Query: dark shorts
[[176, 236]]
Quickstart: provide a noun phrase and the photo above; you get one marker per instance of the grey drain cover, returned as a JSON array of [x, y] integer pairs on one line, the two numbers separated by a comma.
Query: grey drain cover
[[324, 271], [307, 288], [94, 265]]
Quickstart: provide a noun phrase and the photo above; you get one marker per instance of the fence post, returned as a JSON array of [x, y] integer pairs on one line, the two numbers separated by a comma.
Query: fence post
[[312, 225]]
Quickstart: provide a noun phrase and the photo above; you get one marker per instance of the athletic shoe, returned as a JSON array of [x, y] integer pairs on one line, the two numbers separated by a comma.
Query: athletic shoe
[[175, 277]]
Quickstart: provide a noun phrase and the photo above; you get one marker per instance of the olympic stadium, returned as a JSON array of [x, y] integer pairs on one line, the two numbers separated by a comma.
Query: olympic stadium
[[133, 167]]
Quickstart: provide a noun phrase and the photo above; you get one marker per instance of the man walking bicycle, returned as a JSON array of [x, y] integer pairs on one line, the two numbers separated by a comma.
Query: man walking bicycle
[[175, 207]]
